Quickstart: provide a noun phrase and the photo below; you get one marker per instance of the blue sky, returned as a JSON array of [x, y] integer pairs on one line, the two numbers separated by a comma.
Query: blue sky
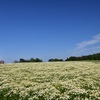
[[48, 28]]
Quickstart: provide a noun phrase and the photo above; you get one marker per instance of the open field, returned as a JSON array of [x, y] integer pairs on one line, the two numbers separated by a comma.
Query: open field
[[50, 81]]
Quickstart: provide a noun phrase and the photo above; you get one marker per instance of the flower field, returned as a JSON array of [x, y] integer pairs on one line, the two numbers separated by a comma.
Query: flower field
[[50, 81]]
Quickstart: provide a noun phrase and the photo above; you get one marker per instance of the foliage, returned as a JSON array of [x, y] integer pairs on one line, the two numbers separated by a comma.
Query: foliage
[[54, 60], [30, 60], [88, 57]]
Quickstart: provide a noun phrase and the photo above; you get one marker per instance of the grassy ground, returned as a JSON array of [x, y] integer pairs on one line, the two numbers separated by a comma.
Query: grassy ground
[[78, 80]]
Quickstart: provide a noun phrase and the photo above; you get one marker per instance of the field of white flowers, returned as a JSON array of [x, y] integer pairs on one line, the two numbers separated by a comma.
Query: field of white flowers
[[50, 81]]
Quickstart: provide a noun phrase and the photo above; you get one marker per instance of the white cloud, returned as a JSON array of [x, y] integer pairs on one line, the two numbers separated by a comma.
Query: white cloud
[[88, 47], [95, 39]]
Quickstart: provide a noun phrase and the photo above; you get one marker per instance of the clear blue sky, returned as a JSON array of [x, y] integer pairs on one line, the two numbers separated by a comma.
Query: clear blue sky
[[48, 28]]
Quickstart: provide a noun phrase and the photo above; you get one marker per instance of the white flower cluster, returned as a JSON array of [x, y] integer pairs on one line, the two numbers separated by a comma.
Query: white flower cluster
[[50, 81]]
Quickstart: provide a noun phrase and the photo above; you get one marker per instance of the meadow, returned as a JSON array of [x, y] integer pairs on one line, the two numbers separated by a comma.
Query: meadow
[[75, 80]]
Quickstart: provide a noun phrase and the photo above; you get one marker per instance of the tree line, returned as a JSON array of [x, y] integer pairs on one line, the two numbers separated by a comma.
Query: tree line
[[87, 57], [79, 58], [55, 59], [72, 58], [21, 60]]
